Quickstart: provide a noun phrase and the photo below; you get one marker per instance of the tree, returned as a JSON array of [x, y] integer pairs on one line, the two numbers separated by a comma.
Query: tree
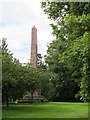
[[32, 80], [47, 84], [40, 63], [67, 54], [20, 79], [7, 79], [12, 76]]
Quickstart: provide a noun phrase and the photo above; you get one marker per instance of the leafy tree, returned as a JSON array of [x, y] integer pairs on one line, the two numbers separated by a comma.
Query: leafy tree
[[67, 54], [40, 63], [32, 81], [47, 84], [18, 74], [58, 10], [12, 76], [8, 80]]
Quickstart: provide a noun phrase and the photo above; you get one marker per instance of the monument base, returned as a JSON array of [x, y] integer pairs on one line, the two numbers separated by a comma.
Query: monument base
[[37, 97]]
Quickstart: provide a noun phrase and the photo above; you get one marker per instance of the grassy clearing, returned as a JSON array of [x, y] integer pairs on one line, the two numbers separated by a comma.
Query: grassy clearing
[[47, 110]]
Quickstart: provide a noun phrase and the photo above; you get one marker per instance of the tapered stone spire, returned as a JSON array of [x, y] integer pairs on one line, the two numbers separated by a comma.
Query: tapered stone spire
[[34, 47], [37, 97]]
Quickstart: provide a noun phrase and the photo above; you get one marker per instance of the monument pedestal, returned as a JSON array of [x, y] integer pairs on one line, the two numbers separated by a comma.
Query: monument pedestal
[[37, 97]]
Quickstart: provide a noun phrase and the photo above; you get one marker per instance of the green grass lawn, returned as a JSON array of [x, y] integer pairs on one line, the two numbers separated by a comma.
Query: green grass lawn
[[47, 110]]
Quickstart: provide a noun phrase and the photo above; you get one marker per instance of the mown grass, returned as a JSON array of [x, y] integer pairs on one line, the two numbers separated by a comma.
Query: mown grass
[[47, 110]]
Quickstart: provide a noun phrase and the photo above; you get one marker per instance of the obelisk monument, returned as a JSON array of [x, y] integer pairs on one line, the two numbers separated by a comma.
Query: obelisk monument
[[34, 47], [37, 97]]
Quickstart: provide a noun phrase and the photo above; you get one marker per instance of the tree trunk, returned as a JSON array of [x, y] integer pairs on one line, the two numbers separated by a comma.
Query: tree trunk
[[7, 101], [32, 97]]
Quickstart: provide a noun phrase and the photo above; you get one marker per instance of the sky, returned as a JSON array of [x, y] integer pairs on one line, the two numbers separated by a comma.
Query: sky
[[17, 18]]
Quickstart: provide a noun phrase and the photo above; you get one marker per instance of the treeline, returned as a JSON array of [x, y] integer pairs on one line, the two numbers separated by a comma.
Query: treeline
[[69, 53], [17, 79]]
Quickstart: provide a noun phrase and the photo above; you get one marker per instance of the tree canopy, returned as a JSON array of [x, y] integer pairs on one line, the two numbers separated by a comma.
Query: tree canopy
[[68, 55]]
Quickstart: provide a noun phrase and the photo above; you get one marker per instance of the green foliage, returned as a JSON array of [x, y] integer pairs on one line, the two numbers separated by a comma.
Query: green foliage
[[40, 63], [7, 65], [12, 76], [18, 79], [47, 84], [68, 55], [58, 10]]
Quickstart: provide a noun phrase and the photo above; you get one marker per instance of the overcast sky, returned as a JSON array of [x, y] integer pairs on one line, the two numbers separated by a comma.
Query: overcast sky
[[17, 17]]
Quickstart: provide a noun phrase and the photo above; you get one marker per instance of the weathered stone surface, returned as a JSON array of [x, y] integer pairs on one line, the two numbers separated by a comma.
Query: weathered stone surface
[[34, 47], [37, 97]]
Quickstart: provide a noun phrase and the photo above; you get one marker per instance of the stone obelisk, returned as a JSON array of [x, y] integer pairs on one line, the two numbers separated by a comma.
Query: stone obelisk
[[37, 94], [34, 47]]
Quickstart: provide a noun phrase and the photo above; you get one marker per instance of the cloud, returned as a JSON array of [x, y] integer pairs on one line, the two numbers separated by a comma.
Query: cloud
[[16, 20]]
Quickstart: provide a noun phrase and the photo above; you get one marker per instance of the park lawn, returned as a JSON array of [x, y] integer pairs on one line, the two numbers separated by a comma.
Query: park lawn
[[47, 110]]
